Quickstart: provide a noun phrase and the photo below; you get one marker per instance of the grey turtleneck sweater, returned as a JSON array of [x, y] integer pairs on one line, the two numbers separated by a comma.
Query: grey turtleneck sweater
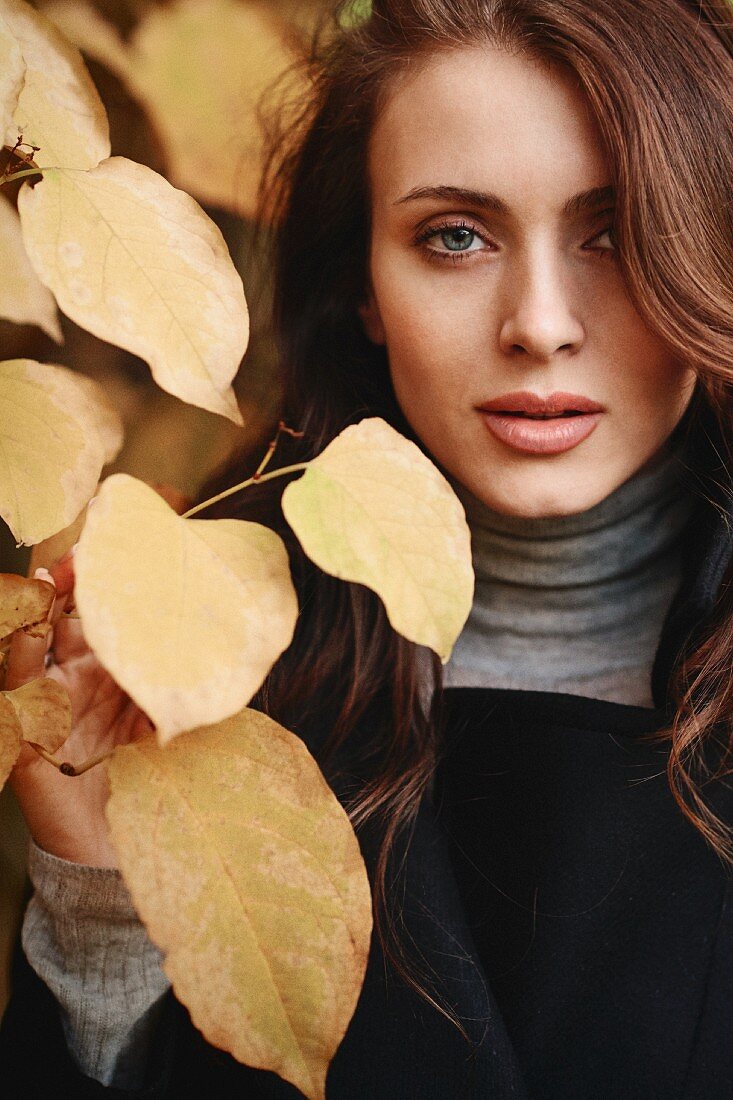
[[575, 603], [569, 604]]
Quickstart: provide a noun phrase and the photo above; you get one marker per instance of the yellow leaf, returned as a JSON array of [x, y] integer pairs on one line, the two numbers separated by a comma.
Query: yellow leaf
[[81, 24], [372, 508], [200, 69], [23, 297], [45, 553], [139, 264], [249, 877], [56, 433], [24, 604], [59, 108], [12, 75], [43, 708], [188, 616], [10, 738]]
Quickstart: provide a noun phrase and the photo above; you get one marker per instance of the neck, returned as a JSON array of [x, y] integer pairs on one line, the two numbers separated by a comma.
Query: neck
[[575, 603]]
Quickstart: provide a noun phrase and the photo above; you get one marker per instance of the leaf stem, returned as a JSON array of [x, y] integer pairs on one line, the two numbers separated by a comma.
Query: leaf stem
[[90, 763], [19, 175], [46, 755], [13, 176], [65, 767], [281, 427], [243, 485]]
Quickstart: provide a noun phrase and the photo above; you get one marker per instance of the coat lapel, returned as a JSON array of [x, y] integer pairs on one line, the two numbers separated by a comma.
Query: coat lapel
[[398, 1045]]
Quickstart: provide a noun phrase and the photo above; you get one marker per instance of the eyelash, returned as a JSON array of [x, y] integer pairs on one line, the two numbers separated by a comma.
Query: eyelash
[[460, 256]]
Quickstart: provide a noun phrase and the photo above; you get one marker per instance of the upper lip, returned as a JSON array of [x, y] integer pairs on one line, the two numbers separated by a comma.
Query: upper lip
[[553, 405]]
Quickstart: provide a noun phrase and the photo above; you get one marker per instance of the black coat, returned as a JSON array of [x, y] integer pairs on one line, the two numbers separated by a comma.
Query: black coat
[[627, 998]]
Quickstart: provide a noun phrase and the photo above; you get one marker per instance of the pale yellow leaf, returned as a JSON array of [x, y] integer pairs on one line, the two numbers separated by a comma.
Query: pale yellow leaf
[[105, 421], [56, 433], [59, 108], [43, 708], [249, 877], [139, 264], [82, 25], [10, 738], [23, 297], [200, 69], [372, 508], [45, 553], [187, 615], [24, 604], [12, 75]]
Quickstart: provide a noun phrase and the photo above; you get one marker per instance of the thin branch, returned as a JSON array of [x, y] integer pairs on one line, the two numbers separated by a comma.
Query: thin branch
[[243, 485], [258, 474], [65, 767]]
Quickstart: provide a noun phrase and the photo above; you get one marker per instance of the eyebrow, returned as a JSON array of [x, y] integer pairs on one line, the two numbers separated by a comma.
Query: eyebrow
[[579, 204]]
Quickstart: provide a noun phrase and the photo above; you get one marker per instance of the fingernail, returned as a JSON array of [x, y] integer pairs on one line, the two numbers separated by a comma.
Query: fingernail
[[42, 574]]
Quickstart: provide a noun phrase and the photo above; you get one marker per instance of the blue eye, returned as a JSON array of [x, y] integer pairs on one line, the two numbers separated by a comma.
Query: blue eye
[[457, 239]]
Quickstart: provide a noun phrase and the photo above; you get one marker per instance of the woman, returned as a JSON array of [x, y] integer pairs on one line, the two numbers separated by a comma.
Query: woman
[[486, 200]]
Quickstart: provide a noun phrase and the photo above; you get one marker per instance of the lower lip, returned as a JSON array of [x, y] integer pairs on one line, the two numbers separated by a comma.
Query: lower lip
[[541, 437]]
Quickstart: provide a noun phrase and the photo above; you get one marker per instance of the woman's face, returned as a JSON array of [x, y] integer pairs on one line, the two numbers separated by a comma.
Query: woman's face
[[487, 280]]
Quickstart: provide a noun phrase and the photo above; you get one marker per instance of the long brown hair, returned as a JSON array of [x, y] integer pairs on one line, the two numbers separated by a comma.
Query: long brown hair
[[658, 75]]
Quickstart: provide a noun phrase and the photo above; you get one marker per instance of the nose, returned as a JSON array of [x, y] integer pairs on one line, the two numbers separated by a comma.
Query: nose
[[539, 318]]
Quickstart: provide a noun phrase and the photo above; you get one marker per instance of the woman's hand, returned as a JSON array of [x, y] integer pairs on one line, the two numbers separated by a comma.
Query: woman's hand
[[65, 814]]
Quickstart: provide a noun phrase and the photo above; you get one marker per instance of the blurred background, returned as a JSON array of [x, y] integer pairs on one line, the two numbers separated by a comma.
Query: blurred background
[[181, 81]]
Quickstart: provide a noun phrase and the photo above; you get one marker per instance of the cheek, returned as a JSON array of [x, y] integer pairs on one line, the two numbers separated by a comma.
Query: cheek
[[658, 391], [430, 364], [432, 340], [647, 385]]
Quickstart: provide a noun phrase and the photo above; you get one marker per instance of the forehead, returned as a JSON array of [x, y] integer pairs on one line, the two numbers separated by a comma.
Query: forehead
[[485, 119]]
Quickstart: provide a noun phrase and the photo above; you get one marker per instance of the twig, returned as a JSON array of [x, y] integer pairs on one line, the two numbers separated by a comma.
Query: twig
[[65, 767]]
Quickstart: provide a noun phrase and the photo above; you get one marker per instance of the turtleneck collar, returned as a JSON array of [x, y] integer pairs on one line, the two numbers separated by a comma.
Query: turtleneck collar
[[549, 551], [600, 602]]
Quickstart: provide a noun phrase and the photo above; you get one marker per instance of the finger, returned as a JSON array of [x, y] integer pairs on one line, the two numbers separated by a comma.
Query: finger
[[41, 574], [62, 572], [69, 640], [58, 607], [62, 575]]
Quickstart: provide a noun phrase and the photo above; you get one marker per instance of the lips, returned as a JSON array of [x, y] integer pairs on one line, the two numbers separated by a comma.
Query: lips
[[516, 420], [531, 405]]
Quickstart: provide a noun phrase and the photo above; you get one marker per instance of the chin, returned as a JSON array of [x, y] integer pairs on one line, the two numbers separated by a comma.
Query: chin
[[554, 511], [557, 501]]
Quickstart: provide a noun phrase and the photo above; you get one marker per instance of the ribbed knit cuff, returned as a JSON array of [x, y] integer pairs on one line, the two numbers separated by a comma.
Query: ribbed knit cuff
[[82, 936]]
